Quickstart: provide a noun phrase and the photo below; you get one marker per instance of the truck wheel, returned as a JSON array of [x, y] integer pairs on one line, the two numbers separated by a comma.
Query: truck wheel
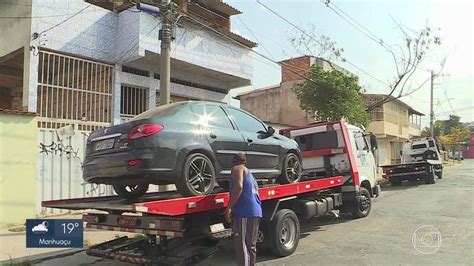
[[198, 176], [363, 204], [130, 191], [439, 175], [284, 233], [430, 178], [291, 169]]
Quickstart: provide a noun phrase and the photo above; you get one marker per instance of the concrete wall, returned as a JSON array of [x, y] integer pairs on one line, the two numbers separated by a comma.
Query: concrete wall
[[291, 113], [383, 129], [276, 105], [264, 104], [14, 33], [414, 131], [18, 135]]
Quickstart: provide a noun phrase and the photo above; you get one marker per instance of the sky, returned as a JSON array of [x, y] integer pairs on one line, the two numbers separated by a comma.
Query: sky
[[451, 20]]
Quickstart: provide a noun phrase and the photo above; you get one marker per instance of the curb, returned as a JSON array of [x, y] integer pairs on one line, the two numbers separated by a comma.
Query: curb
[[34, 259]]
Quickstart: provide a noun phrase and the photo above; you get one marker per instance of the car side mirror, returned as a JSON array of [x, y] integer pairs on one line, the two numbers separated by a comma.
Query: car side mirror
[[270, 131], [373, 142]]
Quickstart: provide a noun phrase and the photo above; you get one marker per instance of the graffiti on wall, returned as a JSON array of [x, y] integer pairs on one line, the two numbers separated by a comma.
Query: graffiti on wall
[[58, 148]]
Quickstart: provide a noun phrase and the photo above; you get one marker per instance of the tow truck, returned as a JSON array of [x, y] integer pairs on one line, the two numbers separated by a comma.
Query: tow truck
[[186, 230], [420, 159]]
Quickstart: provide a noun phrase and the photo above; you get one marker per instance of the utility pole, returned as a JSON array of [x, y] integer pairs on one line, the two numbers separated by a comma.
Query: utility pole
[[165, 37], [431, 106], [168, 19]]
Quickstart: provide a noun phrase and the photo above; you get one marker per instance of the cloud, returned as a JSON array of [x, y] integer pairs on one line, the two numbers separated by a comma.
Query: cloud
[[40, 227]]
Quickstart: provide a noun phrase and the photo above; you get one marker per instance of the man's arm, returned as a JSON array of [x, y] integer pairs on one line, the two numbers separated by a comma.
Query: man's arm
[[237, 176]]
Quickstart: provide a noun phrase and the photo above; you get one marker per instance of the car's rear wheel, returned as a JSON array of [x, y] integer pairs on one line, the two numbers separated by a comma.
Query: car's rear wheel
[[130, 191], [198, 176], [291, 171]]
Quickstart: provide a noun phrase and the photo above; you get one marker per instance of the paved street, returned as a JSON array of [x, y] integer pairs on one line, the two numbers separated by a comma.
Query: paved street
[[385, 237]]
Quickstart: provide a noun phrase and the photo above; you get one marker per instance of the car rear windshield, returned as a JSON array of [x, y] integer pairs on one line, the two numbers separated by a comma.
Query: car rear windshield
[[316, 141], [418, 146], [160, 111]]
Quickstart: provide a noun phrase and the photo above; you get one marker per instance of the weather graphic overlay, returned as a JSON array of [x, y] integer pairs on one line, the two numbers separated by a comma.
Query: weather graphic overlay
[[54, 233]]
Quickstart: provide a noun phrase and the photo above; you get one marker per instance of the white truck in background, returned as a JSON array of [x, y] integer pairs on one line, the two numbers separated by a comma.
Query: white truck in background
[[420, 160]]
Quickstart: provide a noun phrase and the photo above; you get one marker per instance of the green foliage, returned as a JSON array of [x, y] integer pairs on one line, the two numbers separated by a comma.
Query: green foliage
[[332, 95], [21, 228], [444, 127], [458, 136]]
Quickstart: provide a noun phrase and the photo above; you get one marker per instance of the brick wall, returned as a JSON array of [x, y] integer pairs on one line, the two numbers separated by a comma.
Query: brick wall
[[299, 65]]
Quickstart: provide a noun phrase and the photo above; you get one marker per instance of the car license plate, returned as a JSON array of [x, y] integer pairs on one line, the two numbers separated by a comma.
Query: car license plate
[[104, 144], [128, 221]]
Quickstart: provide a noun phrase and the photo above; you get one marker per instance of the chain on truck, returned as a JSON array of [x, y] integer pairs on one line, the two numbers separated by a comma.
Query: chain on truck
[[338, 174]]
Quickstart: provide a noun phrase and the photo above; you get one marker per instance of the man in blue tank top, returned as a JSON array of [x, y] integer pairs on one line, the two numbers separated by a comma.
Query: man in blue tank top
[[244, 211]]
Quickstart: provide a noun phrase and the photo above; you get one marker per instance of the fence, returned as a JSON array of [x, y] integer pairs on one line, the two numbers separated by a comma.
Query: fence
[[59, 172]]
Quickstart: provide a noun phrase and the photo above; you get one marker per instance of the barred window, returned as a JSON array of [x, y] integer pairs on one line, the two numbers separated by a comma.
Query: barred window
[[134, 100]]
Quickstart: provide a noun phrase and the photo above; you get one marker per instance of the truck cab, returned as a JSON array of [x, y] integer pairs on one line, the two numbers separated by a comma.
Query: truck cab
[[420, 150], [324, 153]]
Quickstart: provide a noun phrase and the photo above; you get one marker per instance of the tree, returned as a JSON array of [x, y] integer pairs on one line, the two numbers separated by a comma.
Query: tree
[[332, 95], [451, 123], [457, 137], [438, 129], [444, 127], [407, 56]]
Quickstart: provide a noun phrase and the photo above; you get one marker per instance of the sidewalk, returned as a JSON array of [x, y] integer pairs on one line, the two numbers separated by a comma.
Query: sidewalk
[[13, 244]]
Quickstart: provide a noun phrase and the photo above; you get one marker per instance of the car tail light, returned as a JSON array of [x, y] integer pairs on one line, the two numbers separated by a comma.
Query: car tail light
[[144, 130], [135, 163]]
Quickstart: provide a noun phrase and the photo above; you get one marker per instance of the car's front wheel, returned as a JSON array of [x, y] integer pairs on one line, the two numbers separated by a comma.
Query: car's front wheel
[[130, 191], [198, 176], [291, 170]]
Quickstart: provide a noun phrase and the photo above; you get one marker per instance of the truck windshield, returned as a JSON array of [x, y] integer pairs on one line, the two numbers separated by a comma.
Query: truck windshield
[[418, 146], [317, 141]]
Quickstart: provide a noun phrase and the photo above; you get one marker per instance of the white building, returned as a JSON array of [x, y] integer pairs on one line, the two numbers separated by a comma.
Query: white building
[[95, 62]]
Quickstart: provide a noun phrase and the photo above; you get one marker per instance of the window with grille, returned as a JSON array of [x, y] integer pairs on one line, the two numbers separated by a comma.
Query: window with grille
[[134, 100], [73, 90]]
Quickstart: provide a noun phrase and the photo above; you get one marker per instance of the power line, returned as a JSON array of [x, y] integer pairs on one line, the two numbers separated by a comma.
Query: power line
[[446, 93], [365, 31], [289, 68], [317, 41], [251, 32], [64, 21], [389, 99], [468, 108]]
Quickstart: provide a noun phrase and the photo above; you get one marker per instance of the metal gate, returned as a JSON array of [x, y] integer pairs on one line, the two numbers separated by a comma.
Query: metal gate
[[59, 173], [71, 91]]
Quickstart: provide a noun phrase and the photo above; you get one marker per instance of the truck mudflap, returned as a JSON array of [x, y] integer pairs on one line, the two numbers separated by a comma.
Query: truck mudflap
[[377, 190], [147, 251]]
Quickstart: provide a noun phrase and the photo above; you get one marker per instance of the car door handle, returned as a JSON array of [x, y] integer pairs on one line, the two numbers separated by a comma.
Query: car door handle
[[213, 136]]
